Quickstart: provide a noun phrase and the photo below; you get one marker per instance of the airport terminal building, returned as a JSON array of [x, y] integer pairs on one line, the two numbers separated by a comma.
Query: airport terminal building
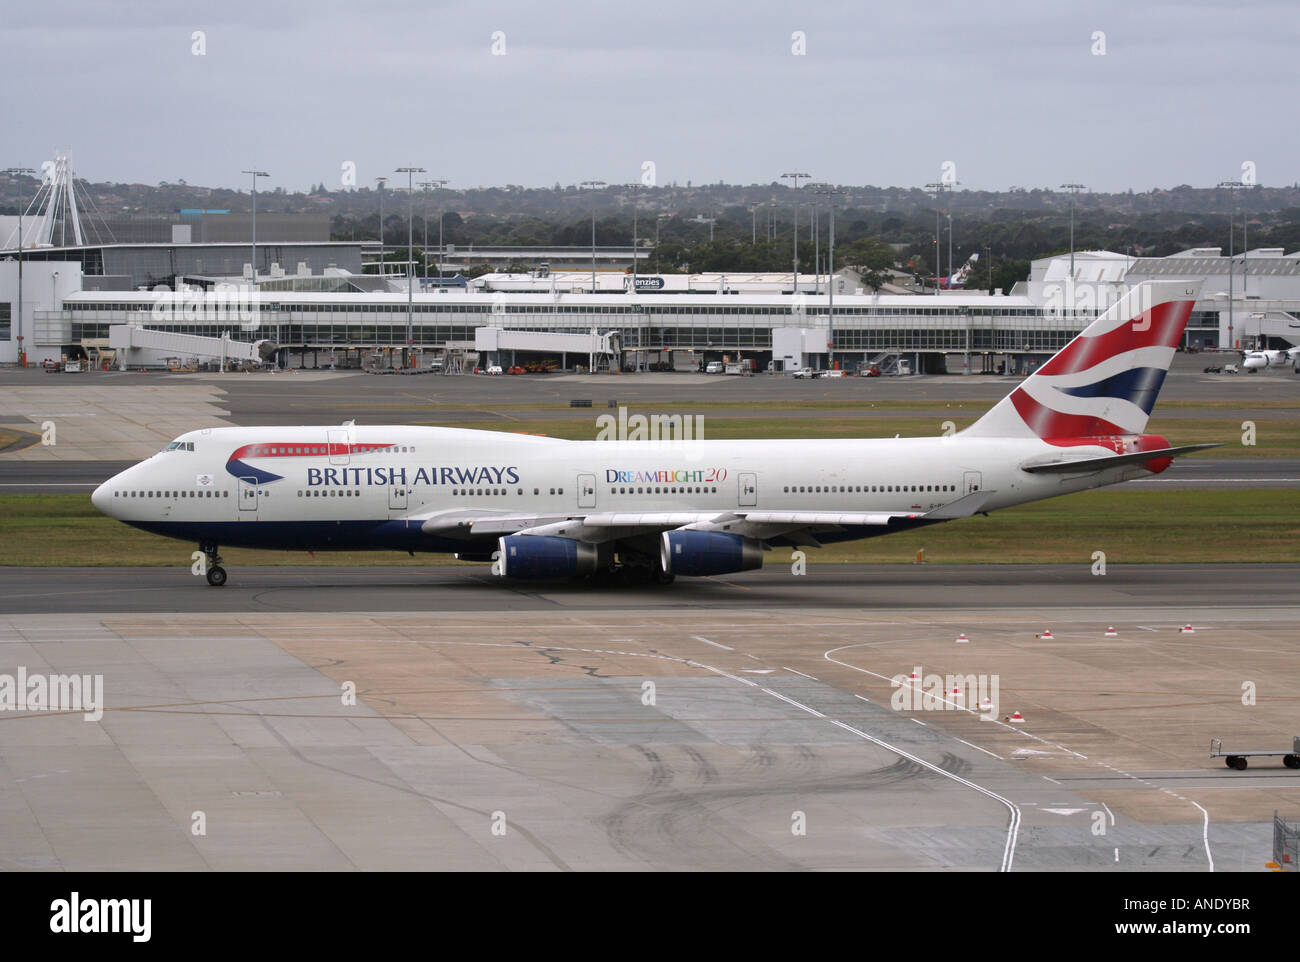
[[314, 318]]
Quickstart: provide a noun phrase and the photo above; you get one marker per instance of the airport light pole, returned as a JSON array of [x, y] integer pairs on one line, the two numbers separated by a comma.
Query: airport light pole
[[1245, 240], [795, 176], [381, 181], [937, 187], [634, 187], [593, 186], [950, 270], [255, 174], [658, 220], [410, 173], [424, 217], [1234, 186], [830, 193], [753, 226], [1074, 192], [22, 357], [817, 253], [426, 184]]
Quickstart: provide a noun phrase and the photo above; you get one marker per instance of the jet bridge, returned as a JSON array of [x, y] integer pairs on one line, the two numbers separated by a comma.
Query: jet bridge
[[495, 341], [142, 346]]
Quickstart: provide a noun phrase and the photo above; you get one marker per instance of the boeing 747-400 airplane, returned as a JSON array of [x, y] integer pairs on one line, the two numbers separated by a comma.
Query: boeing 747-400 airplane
[[538, 507]]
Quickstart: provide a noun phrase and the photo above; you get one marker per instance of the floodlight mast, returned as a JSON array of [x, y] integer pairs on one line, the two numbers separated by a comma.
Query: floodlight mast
[[410, 173]]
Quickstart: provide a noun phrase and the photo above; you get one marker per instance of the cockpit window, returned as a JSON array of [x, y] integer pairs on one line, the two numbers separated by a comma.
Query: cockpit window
[[180, 446]]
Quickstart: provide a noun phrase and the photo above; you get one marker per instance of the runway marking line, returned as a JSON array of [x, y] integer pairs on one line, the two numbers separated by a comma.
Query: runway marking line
[[1013, 827], [1205, 834], [715, 644], [978, 749]]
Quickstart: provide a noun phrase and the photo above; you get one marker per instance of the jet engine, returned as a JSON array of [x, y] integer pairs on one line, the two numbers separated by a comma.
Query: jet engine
[[536, 557], [689, 552]]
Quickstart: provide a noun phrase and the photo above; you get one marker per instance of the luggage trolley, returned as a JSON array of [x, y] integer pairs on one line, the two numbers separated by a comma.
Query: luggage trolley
[[1237, 759]]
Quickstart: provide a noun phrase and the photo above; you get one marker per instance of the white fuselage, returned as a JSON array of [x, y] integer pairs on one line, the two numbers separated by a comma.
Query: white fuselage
[[331, 487]]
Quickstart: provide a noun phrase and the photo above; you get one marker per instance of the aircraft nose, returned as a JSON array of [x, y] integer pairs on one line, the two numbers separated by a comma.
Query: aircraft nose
[[102, 498]]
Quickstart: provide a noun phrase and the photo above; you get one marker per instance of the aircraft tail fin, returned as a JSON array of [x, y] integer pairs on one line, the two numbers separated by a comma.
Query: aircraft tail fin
[[1105, 381]]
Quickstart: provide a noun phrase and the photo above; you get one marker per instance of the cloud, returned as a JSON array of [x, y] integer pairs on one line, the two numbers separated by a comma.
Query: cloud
[[885, 93]]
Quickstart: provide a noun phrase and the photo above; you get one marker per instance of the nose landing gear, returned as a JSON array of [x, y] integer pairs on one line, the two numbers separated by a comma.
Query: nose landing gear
[[216, 574]]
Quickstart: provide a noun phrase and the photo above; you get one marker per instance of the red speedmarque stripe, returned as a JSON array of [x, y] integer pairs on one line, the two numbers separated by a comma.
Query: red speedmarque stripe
[[1048, 424], [1167, 321], [314, 449]]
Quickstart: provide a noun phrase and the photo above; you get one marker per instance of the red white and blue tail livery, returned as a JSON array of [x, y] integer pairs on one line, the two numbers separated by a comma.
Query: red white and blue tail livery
[[1105, 381], [535, 507]]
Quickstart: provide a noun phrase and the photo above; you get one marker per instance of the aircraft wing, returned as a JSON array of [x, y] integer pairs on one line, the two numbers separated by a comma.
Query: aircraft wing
[[470, 523], [599, 527]]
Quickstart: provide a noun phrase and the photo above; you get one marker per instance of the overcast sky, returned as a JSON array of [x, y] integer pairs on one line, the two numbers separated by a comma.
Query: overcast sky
[[1012, 93]]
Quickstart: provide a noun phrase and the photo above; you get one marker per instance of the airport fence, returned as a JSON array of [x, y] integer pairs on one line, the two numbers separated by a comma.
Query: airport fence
[[1286, 844]]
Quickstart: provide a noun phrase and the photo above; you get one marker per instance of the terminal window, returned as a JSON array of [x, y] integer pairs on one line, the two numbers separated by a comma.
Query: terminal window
[[5, 312]]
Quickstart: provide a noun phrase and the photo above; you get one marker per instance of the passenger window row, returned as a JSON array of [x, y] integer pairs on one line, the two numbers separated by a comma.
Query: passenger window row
[[267, 449], [683, 489], [493, 492], [867, 488], [171, 494]]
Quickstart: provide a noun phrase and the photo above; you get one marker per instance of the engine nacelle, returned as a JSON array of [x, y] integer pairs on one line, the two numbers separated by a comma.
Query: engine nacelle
[[535, 557], [688, 552]]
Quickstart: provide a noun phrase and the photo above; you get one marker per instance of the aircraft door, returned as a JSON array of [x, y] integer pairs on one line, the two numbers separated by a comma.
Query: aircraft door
[[338, 446], [971, 481], [748, 490], [397, 497], [586, 490], [248, 497]]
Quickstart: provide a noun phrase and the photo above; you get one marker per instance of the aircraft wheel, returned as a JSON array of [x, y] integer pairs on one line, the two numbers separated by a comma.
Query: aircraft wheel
[[216, 576]]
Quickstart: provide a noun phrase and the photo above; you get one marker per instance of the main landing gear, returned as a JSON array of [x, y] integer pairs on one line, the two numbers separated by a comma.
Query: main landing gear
[[216, 574], [626, 575]]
